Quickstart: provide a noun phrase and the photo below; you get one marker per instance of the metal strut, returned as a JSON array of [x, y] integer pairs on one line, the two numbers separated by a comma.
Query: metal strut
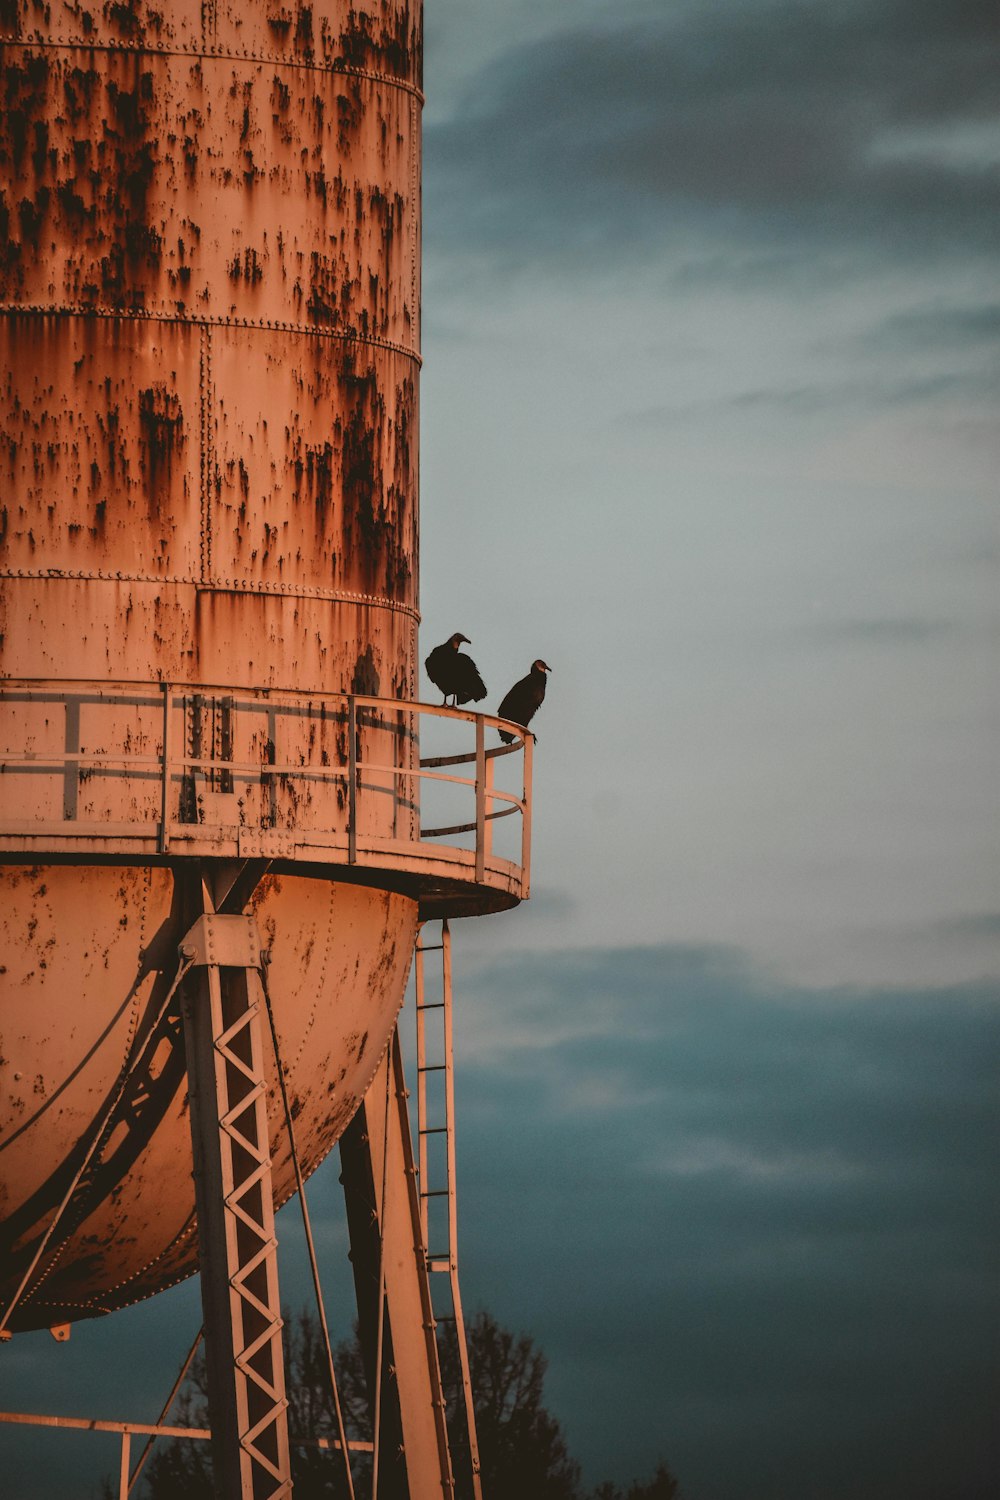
[[138, 1056], [237, 1244], [436, 1157], [395, 1317], [338, 1411]]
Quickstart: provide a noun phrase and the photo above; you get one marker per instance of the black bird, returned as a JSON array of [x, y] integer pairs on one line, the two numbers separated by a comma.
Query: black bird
[[524, 699], [455, 673]]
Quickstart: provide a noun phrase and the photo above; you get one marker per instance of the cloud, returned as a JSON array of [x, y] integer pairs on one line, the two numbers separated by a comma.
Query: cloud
[[939, 393], [752, 1226], [729, 1208], [803, 124], [550, 904], [936, 327], [978, 925], [913, 630]]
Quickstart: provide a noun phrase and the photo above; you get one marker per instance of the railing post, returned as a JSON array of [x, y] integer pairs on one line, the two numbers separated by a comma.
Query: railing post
[[71, 768], [480, 799], [488, 808], [352, 777], [526, 819], [165, 775], [123, 1471]]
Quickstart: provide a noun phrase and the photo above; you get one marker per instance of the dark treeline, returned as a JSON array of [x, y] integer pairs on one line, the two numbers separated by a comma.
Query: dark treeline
[[522, 1450]]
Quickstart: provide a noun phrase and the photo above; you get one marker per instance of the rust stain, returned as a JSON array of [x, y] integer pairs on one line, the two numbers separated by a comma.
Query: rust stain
[[122, 1247], [272, 446], [209, 349]]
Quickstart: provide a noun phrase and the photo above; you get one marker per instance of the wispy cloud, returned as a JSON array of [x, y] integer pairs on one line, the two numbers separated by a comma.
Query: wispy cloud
[[977, 925], [936, 327], [913, 630], [770, 1197], [765, 122], [973, 389]]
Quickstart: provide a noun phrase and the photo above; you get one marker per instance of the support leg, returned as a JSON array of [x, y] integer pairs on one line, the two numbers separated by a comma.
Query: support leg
[[237, 1245], [412, 1401]]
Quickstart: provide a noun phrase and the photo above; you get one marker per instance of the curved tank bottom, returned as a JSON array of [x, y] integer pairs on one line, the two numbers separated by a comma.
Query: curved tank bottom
[[91, 953]]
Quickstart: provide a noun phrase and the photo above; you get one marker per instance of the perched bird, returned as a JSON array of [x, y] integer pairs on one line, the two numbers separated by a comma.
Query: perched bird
[[455, 673], [524, 699]]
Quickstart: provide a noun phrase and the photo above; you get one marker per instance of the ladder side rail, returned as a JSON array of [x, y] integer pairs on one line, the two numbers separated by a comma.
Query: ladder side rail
[[463, 1359], [419, 994], [446, 1264], [390, 1269], [456, 1298], [449, 1094]]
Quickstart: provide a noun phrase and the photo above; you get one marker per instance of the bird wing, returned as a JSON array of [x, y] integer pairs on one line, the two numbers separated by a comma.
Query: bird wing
[[517, 702], [469, 684], [437, 665]]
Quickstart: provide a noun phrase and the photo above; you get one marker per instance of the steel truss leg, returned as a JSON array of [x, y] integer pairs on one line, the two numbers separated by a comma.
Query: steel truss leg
[[237, 1245], [376, 1149]]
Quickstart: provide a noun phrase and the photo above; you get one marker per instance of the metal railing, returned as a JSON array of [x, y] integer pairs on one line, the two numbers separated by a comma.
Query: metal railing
[[127, 1477], [166, 768]]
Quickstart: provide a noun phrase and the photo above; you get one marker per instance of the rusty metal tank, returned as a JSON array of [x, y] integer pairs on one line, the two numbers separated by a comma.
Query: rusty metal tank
[[209, 345]]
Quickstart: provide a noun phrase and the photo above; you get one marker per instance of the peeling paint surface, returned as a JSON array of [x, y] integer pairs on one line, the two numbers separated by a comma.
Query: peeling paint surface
[[209, 417], [209, 317], [86, 973]]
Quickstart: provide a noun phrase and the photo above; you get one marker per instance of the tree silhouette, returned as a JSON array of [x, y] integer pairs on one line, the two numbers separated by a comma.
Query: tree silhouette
[[662, 1486], [523, 1452]]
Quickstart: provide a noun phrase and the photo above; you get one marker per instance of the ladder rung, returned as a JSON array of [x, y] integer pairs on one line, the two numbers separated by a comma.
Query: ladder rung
[[433, 1130], [433, 1068], [431, 948], [437, 1193], [438, 1263], [434, 1005]]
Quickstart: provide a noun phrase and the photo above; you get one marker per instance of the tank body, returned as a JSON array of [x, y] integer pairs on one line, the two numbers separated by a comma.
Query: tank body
[[209, 241], [209, 320]]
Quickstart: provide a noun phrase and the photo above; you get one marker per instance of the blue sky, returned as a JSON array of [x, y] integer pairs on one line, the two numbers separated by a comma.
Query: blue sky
[[711, 317], [752, 1225], [711, 322], [709, 406]]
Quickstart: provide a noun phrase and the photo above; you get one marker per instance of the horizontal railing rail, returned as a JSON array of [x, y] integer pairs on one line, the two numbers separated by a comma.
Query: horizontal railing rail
[[127, 1477], [336, 777]]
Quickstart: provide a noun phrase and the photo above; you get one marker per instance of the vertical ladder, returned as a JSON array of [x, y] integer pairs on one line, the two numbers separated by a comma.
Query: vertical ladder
[[436, 1155]]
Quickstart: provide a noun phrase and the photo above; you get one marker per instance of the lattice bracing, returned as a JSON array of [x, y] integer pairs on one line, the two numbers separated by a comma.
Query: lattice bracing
[[228, 948]]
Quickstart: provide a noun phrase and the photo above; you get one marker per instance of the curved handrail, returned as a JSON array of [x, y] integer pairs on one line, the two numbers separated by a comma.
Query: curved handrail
[[346, 789]]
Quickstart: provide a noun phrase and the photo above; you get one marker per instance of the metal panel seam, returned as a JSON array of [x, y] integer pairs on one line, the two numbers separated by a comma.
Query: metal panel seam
[[217, 585], [222, 54], [205, 439], [137, 315]]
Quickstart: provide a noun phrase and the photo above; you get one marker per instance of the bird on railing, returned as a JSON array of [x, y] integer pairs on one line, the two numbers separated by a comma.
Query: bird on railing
[[524, 699], [455, 673]]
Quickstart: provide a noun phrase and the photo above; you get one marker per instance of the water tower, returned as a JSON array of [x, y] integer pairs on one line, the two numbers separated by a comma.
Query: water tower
[[211, 784]]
